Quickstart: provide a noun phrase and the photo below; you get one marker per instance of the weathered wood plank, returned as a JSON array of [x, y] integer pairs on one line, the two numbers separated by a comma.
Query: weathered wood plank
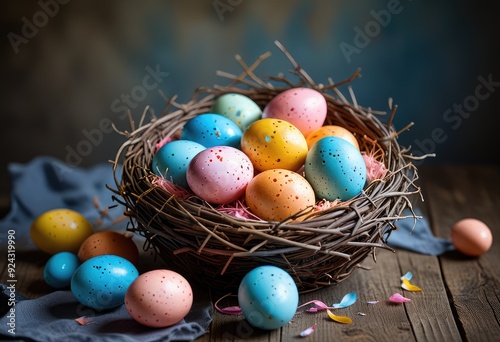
[[473, 283]]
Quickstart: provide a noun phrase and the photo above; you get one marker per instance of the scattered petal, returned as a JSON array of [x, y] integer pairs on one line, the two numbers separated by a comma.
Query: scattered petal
[[308, 331], [410, 287], [407, 276], [319, 306], [229, 310], [360, 314], [340, 319], [84, 320], [398, 298], [348, 300], [372, 302]]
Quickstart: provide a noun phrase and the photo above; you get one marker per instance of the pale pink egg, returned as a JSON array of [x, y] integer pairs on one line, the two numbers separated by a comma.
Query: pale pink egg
[[471, 237], [159, 298], [220, 174], [305, 108]]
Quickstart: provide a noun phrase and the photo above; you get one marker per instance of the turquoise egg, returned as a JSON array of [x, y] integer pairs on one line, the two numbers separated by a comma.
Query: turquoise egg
[[239, 108], [59, 269], [102, 281], [172, 160], [335, 169], [212, 130], [268, 297]]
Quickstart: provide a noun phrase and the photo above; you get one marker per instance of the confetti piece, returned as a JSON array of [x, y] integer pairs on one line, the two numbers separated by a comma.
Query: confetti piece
[[348, 300], [407, 276], [340, 319], [410, 287], [308, 331], [398, 298], [372, 302], [84, 320], [229, 310], [319, 306], [360, 314]]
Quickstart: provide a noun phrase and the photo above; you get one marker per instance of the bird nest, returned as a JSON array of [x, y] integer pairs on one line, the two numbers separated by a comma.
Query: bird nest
[[217, 247]]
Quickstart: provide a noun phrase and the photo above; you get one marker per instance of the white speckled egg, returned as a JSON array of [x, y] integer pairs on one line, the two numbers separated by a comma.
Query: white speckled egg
[[159, 298], [239, 108], [219, 174], [268, 297], [335, 169]]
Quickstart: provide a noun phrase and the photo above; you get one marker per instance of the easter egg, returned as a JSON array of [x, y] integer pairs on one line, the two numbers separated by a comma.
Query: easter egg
[[471, 237], [102, 281], [60, 230], [159, 298], [109, 242], [212, 130], [305, 108], [331, 131], [277, 194], [219, 174], [59, 269], [335, 169], [239, 108], [268, 297], [172, 160], [274, 144]]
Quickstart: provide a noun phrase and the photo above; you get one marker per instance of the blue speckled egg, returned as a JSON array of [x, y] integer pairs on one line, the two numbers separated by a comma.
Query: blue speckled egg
[[268, 297], [335, 169], [212, 130], [59, 269], [239, 108], [102, 281], [172, 160]]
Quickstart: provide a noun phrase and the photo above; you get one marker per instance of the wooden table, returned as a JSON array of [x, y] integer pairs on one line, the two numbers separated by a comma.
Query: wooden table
[[460, 298]]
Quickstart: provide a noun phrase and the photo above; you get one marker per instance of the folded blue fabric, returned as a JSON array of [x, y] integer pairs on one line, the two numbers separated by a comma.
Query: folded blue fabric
[[51, 318]]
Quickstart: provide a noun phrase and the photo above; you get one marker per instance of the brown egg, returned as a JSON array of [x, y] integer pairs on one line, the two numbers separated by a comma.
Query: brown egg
[[109, 242], [471, 237]]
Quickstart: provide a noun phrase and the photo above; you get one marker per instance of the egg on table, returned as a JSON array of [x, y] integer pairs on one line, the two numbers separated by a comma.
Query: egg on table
[[59, 269], [471, 237], [109, 242]]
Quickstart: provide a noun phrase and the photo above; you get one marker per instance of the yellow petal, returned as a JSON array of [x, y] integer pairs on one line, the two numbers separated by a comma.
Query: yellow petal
[[410, 287], [340, 319]]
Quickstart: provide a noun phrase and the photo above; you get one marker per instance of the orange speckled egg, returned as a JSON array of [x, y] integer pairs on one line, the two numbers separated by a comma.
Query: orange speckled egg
[[109, 242], [274, 144], [331, 130], [471, 237], [60, 230], [276, 194]]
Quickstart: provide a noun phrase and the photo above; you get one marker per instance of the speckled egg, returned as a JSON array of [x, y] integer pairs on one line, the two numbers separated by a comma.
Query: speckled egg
[[274, 144], [159, 298], [305, 108], [109, 242], [59, 269], [212, 130], [220, 174], [277, 194], [60, 230], [268, 297], [239, 108], [335, 169], [102, 281], [331, 131], [172, 160]]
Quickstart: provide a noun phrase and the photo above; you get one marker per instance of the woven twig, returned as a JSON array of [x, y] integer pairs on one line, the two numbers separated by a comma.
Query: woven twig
[[218, 248]]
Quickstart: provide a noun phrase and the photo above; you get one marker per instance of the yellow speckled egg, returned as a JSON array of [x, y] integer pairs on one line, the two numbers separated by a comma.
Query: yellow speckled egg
[[60, 230], [329, 131], [277, 194], [274, 144]]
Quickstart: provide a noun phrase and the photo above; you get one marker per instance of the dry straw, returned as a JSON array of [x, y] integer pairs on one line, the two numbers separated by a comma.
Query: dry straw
[[218, 248]]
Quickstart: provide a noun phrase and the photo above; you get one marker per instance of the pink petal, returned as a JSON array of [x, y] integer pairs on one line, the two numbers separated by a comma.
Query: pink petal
[[398, 298]]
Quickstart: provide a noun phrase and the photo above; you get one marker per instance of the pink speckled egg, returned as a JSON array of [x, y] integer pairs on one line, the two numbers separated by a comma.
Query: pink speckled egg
[[305, 108], [159, 298], [219, 174]]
